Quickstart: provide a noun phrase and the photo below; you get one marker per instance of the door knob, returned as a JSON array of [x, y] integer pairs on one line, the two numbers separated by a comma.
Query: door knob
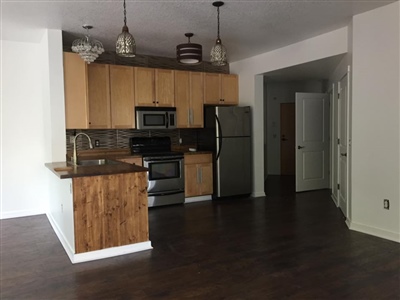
[[343, 154], [300, 147]]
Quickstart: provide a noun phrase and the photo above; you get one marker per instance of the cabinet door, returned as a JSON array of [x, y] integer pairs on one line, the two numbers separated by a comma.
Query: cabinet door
[[196, 99], [191, 180], [164, 87], [99, 96], [206, 184], [144, 87], [75, 90], [122, 96], [212, 88], [182, 98], [230, 89]]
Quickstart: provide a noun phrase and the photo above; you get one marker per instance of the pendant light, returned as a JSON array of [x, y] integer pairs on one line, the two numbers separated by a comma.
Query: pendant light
[[125, 46], [218, 52], [87, 48], [189, 53]]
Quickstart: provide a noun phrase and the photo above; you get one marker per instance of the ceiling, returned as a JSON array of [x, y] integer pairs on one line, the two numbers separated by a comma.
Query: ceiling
[[248, 27]]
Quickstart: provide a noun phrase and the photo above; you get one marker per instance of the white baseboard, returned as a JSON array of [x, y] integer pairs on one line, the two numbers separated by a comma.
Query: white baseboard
[[70, 249], [198, 199], [110, 252], [98, 254], [335, 200], [21, 213], [257, 194], [385, 234]]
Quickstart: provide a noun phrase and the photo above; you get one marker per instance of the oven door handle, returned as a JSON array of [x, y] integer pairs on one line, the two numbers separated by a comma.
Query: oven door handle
[[166, 193], [171, 159]]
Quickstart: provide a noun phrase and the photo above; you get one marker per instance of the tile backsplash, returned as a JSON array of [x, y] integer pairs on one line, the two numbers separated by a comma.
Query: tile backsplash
[[119, 138]]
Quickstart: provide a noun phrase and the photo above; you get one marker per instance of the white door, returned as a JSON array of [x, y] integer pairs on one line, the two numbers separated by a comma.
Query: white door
[[312, 141], [343, 145]]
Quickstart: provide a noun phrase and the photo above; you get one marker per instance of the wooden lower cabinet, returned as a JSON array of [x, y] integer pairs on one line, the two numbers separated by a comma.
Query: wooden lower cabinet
[[198, 175], [110, 211]]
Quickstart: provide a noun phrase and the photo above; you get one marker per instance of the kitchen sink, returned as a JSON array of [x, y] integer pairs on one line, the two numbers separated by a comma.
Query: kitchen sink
[[97, 162]]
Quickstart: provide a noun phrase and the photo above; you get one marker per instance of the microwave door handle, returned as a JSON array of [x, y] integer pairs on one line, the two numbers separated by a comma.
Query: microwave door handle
[[167, 117]]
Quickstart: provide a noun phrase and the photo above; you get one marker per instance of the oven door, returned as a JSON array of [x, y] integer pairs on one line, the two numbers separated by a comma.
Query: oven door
[[165, 175]]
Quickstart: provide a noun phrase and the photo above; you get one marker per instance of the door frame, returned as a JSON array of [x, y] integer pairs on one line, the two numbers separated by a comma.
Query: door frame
[[348, 145]]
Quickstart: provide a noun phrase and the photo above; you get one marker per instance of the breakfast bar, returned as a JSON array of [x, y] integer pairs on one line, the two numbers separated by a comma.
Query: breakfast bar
[[102, 210]]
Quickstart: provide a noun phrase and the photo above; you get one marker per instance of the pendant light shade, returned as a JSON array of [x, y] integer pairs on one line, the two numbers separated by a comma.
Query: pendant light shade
[[87, 48], [125, 46], [218, 52], [189, 53]]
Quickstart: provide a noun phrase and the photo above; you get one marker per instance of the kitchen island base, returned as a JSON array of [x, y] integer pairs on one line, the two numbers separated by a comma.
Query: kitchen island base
[[99, 212]]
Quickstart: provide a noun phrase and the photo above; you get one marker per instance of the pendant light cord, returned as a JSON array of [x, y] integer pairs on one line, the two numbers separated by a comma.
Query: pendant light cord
[[218, 21], [124, 13]]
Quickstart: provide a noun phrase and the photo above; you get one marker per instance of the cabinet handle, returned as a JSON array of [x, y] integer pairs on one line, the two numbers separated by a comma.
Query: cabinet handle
[[201, 175], [154, 101], [191, 116], [188, 116]]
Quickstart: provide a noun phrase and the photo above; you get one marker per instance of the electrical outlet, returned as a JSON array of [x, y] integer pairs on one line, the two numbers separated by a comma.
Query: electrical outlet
[[180, 141], [97, 143], [386, 204]]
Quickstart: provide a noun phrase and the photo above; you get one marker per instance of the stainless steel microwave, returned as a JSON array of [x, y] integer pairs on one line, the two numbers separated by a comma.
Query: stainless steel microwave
[[155, 118]]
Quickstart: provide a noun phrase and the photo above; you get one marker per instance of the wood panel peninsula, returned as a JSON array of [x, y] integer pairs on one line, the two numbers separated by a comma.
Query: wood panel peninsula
[[100, 209]]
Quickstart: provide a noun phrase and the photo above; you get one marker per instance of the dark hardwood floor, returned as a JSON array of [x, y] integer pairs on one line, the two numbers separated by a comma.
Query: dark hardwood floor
[[283, 246]]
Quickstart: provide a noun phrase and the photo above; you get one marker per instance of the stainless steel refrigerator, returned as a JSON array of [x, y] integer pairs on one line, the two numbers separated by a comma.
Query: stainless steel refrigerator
[[227, 133]]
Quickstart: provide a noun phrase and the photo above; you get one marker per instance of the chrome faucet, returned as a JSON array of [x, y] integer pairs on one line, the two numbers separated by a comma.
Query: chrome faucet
[[74, 158]]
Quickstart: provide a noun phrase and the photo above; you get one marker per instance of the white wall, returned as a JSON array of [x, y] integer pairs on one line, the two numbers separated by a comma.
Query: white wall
[[277, 93], [24, 190], [375, 121], [251, 86], [32, 128]]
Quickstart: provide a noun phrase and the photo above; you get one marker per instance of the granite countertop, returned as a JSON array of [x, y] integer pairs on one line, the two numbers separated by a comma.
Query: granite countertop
[[66, 170]]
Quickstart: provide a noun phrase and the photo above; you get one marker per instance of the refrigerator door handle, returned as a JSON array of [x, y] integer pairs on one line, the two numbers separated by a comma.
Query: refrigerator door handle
[[219, 137]]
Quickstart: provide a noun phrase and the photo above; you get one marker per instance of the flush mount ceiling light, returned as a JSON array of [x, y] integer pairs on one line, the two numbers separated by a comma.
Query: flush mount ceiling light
[[218, 52], [125, 46], [87, 48], [189, 53]]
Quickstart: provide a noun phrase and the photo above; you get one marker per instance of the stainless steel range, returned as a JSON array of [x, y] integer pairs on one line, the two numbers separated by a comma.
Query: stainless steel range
[[166, 180]]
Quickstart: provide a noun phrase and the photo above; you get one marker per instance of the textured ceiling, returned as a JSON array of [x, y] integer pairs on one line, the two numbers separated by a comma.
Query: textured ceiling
[[248, 27]]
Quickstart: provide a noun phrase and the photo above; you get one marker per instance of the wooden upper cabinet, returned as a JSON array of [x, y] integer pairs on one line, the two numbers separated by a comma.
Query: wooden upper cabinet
[[221, 89], [75, 91], [197, 99], [182, 101], [230, 89], [154, 87], [164, 88], [212, 88], [99, 96], [122, 96], [144, 87], [189, 95]]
